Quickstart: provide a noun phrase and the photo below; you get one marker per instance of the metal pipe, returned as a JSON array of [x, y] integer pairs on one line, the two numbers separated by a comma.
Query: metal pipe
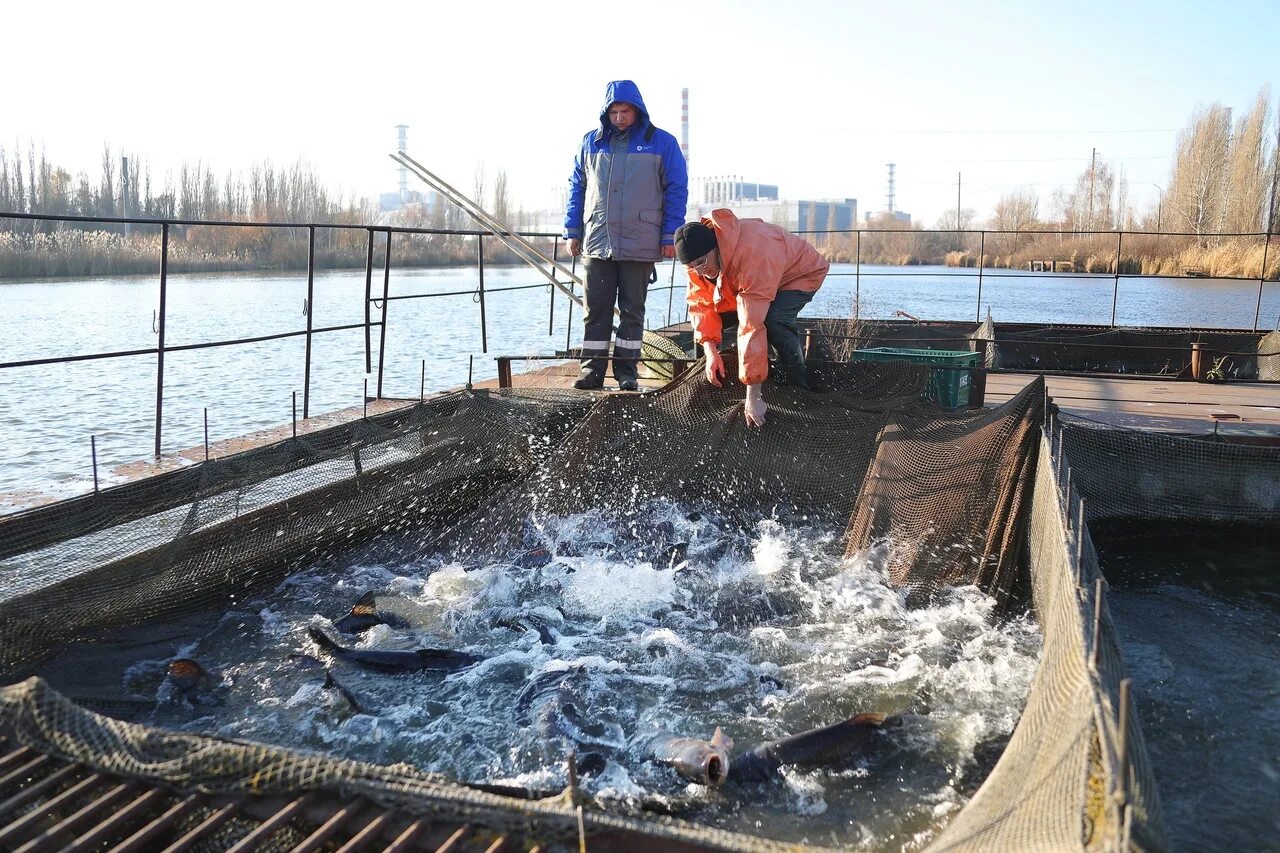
[[306, 372], [451, 843], [671, 290], [164, 291], [1095, 650], [206, 433], [93, 839], [34, 791], [982, 252], [295, 415], [504, 371], [386, 291], [10, 834], [551, 293], [205, 826], [1115, 289], [365, 399], [143, 837], [269, 826], [857, 275], [331, 826], [422, 386], [368, 295], [484, 328], [1262, 280], [1122, 790], [405, 840], [93, 450], [371, 830], [568, 323]]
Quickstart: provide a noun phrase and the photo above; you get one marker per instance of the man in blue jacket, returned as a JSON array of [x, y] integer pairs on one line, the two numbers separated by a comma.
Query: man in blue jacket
[[627, 197]]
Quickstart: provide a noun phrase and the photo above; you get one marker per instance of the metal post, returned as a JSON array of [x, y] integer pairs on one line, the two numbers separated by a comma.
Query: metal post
[[365, 399], [484, 330], [93, 450], [471, 363], [551, 290], [568, 323], [982, 251], [1095, 651], [857, 279], [1123, 772], [1262, 280], [1080, 530], [368, 295], [504, 371], [295, 414], [164, 292], [311, 278], [206, 433], [1115, 290], [386, 291], [422, 388], [671, 292]]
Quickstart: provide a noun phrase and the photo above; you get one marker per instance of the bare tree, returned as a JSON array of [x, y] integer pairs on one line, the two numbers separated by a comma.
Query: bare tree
[[1195, 196], [1247, 177]]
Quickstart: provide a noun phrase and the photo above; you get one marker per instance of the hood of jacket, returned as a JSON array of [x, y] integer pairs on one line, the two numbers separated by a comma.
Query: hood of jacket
[[627, 92]]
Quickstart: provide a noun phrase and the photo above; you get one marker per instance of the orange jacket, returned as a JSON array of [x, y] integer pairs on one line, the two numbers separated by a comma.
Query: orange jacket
[[757, 260]]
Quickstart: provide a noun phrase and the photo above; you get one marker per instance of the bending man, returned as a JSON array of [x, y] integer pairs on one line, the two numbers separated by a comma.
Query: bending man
[[749, 275], [630, 187]]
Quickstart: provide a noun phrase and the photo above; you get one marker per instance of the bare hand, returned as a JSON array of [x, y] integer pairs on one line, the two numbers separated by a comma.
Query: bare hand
[[575, 247], [715, 365], [668, 252], [754, 407]]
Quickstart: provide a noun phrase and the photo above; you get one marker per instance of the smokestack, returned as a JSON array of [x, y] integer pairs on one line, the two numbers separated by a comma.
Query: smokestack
[[684, 125], [402, 144]]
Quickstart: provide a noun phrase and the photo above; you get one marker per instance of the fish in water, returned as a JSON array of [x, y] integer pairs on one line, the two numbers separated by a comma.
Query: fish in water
[[831, 745], [535, 558], [703, 761], [365, 614], [440, 660], [307, 663], [188, 677], [560, 718], [521, 621], [541, 686]]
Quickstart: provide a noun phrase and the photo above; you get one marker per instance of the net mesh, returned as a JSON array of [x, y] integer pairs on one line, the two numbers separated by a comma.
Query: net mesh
[[976, 492]]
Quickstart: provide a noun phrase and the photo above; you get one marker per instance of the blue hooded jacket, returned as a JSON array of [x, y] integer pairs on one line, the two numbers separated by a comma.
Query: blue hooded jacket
[[628, 191]]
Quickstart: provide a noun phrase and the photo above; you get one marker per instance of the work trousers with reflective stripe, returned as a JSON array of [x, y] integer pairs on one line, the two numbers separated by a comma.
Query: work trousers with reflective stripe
[[627, 284], [784, 333]]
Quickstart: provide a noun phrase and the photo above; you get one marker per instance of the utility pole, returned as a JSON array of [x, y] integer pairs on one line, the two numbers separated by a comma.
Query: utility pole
[[1093, 161]]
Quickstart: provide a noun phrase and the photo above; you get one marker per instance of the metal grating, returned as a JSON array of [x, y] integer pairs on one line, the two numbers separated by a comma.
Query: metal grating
[[50, 804]]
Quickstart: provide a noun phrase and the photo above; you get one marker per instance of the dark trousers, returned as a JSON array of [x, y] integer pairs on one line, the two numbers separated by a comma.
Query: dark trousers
[[627, 284], [784, 332]]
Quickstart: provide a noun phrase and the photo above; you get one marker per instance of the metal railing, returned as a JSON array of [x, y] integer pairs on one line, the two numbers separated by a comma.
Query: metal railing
[[380, 302], [984, 271]]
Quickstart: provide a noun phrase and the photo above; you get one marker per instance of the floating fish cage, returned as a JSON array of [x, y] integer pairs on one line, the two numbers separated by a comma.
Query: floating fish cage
[[997, 500]]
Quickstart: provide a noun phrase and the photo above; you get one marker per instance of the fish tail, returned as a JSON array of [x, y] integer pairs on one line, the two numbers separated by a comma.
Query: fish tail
[[322, 639]]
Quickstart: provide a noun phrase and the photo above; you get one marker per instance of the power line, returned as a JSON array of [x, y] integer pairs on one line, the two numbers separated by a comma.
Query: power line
[[953, 132]]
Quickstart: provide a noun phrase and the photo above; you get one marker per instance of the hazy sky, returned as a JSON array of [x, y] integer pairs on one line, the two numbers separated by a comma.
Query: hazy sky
[[813, 96]]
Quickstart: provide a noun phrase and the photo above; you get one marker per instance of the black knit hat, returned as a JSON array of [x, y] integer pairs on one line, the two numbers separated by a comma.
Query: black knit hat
[[693, 240]]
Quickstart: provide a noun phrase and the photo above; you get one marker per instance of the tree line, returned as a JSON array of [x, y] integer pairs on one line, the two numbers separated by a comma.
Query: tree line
[[126, 188]]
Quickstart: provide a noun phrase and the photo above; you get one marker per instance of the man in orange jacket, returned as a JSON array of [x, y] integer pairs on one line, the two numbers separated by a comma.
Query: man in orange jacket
[[753, 276]]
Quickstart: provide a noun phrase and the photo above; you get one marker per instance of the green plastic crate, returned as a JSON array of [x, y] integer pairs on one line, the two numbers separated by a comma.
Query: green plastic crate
[[948, 387]]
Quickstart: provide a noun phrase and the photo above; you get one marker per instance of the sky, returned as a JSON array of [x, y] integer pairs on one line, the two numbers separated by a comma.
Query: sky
[[813, 96]]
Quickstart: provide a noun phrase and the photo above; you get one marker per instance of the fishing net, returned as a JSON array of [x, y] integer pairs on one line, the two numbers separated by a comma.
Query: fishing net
[[475, 472]]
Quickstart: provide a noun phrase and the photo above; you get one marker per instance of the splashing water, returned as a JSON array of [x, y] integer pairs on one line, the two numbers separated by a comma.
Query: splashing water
[[669, 621]]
